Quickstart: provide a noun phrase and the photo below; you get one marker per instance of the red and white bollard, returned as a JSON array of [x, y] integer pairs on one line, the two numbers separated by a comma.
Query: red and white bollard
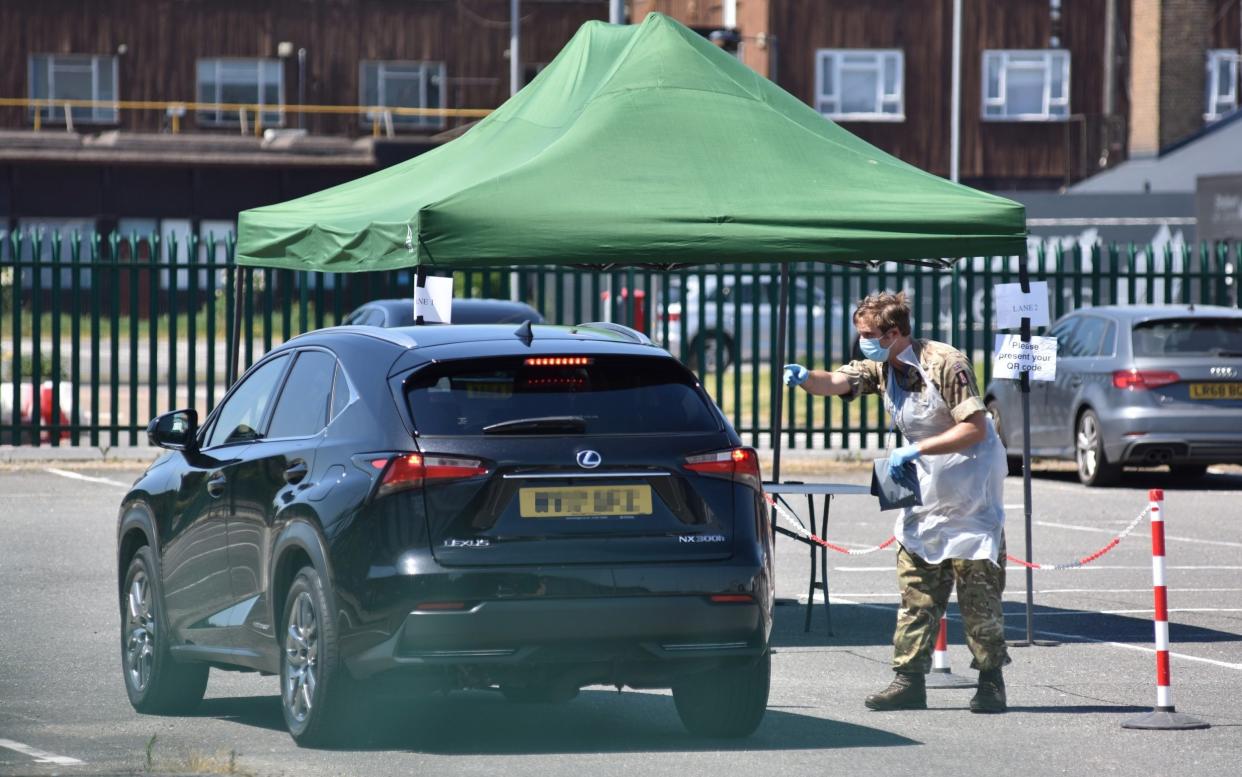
[[1164, 716], [941, 676]]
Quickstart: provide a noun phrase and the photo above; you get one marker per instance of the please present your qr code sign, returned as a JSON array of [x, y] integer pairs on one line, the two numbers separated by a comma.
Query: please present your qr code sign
[[1013, 357]]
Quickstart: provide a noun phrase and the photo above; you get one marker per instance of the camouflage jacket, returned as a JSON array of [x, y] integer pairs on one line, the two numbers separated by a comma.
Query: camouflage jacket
[[948, 368]]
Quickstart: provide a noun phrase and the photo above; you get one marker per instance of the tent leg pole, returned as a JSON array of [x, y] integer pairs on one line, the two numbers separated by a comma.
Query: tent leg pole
[[238, 296], [778, 387]]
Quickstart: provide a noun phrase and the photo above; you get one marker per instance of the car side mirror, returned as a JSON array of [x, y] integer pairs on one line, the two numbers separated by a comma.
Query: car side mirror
[[175, 431]]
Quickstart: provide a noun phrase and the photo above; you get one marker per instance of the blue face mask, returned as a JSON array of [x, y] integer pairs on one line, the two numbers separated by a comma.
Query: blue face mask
[[872, 349]]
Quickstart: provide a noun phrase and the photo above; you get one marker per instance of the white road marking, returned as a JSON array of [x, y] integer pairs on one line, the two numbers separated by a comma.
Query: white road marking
[[1040, 592], [89, 479], [1088, 568], [1147, 611], [1097, 530], [1064, 636], [39, 755]]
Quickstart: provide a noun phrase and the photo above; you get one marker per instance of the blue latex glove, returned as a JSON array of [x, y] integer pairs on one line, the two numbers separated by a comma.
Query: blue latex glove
[[796, 374], [899, 458]]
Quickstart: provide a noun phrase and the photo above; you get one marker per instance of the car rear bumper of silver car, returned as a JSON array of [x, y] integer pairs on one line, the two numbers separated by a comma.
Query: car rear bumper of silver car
[[1155, 449]]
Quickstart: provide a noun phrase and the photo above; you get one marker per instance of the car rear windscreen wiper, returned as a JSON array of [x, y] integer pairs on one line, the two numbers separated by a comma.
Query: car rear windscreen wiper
[[1225, 352], [570, 424]]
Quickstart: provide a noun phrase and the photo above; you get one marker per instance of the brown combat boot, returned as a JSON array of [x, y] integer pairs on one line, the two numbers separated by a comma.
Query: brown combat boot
[[906, 692], [991, 695]]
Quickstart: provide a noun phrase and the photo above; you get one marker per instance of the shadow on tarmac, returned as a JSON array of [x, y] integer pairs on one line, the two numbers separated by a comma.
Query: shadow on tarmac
[[857, 625], [598, 721]]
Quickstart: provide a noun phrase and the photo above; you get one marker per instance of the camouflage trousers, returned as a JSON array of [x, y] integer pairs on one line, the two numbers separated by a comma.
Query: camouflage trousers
[[925, 590]]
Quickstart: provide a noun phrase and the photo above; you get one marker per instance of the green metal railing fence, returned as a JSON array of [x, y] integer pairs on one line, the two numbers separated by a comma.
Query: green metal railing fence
[[114, 329]]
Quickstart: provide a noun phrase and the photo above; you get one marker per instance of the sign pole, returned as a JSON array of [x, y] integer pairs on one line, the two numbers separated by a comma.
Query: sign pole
[[1024, 279]]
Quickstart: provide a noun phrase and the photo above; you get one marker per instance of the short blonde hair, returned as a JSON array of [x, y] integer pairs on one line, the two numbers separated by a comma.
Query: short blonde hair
[[885, 310]]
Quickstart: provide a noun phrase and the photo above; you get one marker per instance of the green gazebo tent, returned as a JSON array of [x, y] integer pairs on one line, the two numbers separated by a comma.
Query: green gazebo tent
[[638, 145]]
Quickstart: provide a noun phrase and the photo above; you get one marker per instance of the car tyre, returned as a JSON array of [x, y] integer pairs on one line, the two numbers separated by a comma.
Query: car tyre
[[725, 702], [1013, 464], [317, 695], [711, 342], [155, 681], [1094, 468]]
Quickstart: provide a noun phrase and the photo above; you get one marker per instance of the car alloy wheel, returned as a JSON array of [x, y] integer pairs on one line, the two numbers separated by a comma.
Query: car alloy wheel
[[301, 658], [140, 632], [1093, 467]]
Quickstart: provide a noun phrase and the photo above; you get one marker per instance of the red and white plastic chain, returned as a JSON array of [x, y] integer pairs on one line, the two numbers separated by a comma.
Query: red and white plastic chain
[[801, 530], [1114, 542]]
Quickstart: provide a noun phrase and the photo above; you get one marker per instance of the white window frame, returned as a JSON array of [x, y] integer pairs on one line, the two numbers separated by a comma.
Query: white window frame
[[1050, 59], [1216, 99], [830, 104], [426, 71], [272, 116], [56, 114]]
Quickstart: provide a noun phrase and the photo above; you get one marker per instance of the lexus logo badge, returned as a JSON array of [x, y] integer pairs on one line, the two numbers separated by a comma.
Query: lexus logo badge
[[589, 459], [1224, 372]]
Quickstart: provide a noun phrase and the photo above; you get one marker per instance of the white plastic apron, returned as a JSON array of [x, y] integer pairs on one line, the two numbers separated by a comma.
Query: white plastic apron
[[963, 511]]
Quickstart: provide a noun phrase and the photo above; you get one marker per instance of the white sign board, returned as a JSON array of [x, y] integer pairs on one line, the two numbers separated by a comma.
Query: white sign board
[[1014, 357], [434, 302], [1012, 305]]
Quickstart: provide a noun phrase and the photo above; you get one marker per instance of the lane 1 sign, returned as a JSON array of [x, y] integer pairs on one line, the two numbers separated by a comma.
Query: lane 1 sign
[[1014, 357], [1012, 305]]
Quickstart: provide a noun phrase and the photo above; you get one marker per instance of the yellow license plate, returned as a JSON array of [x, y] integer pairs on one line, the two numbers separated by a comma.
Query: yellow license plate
[[558, 502], [1216, 390]]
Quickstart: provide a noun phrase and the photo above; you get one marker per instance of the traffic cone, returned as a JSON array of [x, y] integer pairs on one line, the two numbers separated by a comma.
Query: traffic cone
[[941, 676]]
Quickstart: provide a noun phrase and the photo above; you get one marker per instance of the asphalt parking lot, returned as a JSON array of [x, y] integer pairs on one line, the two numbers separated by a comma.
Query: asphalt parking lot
[[63, 708]]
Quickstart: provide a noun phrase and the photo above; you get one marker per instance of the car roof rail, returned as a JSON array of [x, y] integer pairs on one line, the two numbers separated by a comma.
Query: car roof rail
[[619, 329], [394, 336]]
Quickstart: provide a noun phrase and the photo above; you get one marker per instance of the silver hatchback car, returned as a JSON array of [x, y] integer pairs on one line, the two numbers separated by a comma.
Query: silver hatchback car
[[1139, 386]]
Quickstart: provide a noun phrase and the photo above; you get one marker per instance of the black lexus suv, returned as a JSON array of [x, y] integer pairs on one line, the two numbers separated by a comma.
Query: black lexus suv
[[424, 509]]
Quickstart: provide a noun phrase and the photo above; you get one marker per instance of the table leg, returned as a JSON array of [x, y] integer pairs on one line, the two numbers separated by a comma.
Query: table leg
[[810, 596], [823, 557]]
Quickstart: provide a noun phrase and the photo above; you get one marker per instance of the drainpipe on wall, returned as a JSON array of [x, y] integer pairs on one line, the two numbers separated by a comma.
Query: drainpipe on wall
[[616, 11], [729, 13], [1110, 78]]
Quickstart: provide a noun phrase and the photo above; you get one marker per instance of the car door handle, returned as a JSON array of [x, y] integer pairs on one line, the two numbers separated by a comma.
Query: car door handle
[[295, 472], [216, 483], [1075, 382]]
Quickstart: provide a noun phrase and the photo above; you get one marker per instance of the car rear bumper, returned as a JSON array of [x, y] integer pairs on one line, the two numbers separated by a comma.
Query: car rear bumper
[[590, 634], [1178, 435]]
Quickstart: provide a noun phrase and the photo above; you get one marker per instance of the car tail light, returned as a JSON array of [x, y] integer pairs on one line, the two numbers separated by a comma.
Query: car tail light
[[412, 470], [1140, 380], [738, 464], [440, 607]]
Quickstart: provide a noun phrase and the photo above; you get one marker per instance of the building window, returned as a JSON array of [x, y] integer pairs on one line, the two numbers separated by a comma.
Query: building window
[[1222, 82], [74, 77], [402, 85], [1026, 85], [241, 81], [860, 84]]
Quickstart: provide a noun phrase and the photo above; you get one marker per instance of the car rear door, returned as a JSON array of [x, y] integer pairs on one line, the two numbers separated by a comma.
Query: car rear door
[[623, 486], [1078, 372], [278, 464]]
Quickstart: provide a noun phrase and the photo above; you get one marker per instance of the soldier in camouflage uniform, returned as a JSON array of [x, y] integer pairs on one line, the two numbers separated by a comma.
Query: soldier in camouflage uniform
[[957, 534]]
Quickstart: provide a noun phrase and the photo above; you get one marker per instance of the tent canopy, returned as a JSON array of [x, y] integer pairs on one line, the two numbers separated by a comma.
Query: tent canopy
[[640, 144]]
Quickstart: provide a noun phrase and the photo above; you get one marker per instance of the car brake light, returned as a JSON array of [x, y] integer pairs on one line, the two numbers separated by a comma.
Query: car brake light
[[1139, 380], [412, 470], [559, 361], [738, 464], [440, 607]]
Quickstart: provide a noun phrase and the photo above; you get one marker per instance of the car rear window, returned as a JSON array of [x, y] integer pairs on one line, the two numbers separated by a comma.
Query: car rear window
[[612, 395], [1189, 336]]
